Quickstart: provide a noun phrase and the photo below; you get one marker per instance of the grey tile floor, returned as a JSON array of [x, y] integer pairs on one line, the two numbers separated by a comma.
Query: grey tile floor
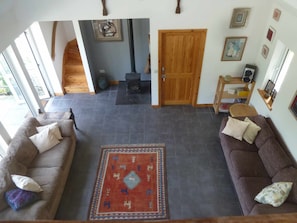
[[198, 180]]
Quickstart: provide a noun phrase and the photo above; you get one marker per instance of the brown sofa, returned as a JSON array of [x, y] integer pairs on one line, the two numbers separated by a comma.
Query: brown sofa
[[255, 166], [49, 169]]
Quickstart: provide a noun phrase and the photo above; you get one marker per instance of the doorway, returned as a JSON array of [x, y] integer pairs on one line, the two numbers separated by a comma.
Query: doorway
[[180, 62]]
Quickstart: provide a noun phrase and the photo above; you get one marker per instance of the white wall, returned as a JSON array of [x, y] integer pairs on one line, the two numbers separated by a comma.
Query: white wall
[[280, 114], [213, 15]]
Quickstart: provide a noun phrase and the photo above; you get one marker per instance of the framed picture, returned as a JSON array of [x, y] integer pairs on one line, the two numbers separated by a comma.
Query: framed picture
[[107, 30], [276, 14], [265, 51], [273, 94], [270, 34], [239, 17], [269, 87], [293, 106], [233, 48]]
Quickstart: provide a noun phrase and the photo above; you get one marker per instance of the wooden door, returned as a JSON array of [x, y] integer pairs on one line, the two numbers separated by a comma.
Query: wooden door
[[180, 62]]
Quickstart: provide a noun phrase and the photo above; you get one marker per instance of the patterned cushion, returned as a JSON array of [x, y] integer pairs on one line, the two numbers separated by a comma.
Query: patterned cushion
[[18, 198], [275, 194], [288, 175]]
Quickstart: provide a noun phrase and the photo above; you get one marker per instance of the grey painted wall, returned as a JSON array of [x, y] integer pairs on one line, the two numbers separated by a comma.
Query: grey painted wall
[[114, 56]]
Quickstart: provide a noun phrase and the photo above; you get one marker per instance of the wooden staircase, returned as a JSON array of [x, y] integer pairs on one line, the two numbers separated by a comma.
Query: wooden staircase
[[74, 78]]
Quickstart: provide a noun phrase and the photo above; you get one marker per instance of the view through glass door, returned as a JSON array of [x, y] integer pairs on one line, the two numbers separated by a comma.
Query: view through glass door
[[32, 66], [14, 108]]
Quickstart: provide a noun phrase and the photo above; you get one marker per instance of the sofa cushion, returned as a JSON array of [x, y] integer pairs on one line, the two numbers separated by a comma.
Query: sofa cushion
[[247, 188], [247, 164], [5, 185], [18, 198], [274, 194], [288, 174], [268, 209], [235, 128], [8, 166], [53, 127], [229, 144], [21, 146], [50, 181], [55, 157], [251, 132], [26, 183], [65, 126], [12, 166], [274, 157], [44, 140], [266, 131]]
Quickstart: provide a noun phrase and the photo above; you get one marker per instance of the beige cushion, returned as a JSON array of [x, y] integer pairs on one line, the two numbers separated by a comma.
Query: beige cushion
[[44, 140], [251, 132], [274, 194], [53, 127], [235, 128], [26, 183]]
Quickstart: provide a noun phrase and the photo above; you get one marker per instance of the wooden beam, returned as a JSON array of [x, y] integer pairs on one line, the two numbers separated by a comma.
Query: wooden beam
[[105, 13], [177, 10], [53, 53]]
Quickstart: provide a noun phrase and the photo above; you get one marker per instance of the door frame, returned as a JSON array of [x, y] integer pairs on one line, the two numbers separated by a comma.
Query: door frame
[[196, 83]]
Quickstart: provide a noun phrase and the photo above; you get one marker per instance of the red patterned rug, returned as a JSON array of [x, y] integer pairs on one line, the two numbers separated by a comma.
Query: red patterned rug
[[130, 184]]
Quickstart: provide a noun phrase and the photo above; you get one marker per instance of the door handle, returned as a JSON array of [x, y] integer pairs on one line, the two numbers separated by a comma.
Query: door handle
[[163, 77]]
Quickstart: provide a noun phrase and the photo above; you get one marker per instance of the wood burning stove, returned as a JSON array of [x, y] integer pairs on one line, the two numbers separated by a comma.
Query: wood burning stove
[[133, 78], [133, 83]]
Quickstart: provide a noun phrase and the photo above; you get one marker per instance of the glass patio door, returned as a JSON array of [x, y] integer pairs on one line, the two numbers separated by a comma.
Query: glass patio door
[[14, 108], [32, 66]]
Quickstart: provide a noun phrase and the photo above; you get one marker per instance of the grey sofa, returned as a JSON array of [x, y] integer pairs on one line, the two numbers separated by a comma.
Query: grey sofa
[[255, 166], [49, 169]]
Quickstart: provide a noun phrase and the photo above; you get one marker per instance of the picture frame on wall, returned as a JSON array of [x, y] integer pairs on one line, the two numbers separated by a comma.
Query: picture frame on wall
[[270, 33], [233, 48], [239, 17], [265, 51], [293, 105], [107, 30], [276, 14], [269, 87], [273, 94]]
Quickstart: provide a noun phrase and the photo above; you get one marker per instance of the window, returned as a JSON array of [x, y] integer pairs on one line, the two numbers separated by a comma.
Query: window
[[277, 70], [23, 84], [31, 64], [14, 107]]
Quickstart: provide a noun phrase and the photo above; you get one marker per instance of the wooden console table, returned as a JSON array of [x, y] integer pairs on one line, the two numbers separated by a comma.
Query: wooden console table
[[242, 110]]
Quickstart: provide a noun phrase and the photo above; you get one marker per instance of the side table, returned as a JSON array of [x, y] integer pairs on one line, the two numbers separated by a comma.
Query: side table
[[242, 110]]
